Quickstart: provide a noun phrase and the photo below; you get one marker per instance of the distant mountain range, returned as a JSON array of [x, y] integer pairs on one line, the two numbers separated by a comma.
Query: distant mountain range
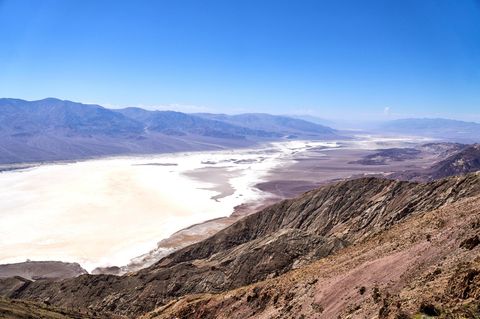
[[53, 129], [314, 119], [453, 130], [282, 124]]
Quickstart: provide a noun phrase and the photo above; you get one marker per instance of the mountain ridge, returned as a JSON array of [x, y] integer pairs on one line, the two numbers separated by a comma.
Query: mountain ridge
[[283, 124], [53, 129]]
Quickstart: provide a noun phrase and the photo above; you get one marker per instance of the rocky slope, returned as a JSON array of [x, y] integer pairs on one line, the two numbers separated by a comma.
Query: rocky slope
[[20, 309], [466, 160], [425, 267], [272, 242]]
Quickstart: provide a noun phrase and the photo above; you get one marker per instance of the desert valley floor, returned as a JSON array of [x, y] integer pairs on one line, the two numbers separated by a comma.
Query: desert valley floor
[[129, 204]]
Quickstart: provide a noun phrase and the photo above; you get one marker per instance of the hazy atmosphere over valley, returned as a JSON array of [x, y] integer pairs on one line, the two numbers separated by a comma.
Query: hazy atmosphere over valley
[[239, 159]]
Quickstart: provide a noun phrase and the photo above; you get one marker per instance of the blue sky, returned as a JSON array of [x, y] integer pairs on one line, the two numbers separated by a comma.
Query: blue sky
[[333, 59]]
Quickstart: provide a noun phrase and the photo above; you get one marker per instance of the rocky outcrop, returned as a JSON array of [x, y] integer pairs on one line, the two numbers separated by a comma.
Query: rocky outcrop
[[282, 237], [465, 161], [384, 156]]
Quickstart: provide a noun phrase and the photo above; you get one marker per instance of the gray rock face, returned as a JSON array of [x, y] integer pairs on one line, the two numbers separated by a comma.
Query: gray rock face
[[271, 242]]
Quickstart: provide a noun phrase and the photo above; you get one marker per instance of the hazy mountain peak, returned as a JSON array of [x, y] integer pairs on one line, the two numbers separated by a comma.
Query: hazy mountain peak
[[52, 129], [454, 130]]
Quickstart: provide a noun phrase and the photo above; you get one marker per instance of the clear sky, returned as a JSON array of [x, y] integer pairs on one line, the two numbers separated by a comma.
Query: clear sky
[[335, 59]]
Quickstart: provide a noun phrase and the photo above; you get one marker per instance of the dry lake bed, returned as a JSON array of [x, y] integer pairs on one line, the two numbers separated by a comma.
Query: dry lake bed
[[106, 211]]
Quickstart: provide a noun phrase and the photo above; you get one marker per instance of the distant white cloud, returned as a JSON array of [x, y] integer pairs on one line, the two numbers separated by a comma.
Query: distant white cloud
[[387, 111]]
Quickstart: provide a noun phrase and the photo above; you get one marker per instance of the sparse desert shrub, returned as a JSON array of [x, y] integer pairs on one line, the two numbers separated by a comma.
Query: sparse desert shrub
[[376, 294], [439, 223], [402, 315], [429, 309], [317, 307], [470, 243], [362, 290]]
